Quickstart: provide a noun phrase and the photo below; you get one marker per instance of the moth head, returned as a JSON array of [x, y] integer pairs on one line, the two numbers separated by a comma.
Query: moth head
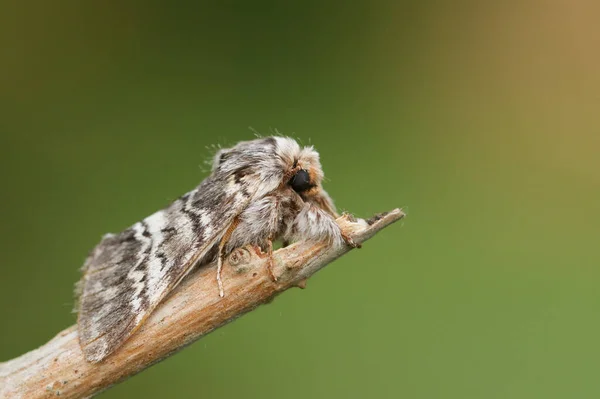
[[302, 168], [303, 173], [305, 176]]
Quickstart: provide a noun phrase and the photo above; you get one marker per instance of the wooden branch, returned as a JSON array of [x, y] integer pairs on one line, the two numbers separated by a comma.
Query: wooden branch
[[194, 309]]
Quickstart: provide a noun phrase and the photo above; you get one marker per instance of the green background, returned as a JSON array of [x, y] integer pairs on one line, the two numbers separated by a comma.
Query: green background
[[481, 118]]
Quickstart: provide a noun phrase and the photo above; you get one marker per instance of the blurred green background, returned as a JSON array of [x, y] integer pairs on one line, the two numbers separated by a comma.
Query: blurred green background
[[482, 118]]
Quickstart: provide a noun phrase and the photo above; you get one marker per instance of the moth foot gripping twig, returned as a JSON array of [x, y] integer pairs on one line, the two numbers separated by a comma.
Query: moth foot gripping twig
[[349, 241], [219, 279], [221, 255], [270, 260]]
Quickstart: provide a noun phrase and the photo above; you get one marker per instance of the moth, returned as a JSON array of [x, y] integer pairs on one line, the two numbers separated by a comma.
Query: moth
[[259, 191]]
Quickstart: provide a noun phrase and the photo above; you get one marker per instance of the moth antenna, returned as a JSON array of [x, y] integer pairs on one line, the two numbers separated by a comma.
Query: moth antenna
[[219, 268]]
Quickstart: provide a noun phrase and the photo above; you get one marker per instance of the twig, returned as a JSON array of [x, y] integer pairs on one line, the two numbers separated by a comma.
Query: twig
[[194, 309]]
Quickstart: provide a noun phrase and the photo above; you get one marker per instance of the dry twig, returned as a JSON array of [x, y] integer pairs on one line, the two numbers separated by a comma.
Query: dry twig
[[194, 309]]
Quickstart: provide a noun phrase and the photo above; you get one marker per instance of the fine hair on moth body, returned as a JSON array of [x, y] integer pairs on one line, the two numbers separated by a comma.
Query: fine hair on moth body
[[258, 191]]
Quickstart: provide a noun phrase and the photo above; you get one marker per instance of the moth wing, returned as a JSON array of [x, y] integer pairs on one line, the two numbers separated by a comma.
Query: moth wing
[[128, 274]]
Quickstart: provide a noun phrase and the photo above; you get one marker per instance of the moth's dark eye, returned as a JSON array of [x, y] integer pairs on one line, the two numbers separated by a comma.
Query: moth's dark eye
[[301, 181]]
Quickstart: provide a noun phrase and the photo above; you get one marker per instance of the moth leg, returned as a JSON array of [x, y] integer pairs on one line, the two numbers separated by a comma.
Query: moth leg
[[221, 254], [349, 241], [321, 201], [219, 267], [270, 259], [260, 225], [316, 224]]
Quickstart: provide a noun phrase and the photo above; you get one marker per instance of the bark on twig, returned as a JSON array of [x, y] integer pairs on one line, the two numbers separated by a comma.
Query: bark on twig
[[194, 309]]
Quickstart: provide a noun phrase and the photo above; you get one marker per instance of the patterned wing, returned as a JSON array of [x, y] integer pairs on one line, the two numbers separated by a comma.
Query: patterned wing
[[128, 274]]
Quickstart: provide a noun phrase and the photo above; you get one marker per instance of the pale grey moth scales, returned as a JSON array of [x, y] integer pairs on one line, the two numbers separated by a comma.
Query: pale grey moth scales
[[270, 187]]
